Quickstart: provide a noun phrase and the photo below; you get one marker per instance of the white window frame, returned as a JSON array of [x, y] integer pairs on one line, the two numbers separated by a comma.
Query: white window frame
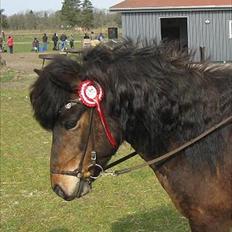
[[230, 29]]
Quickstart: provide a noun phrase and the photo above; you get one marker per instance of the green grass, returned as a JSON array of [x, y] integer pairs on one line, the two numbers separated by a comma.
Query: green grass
[[131, 203], [7, 76], [27, 47]]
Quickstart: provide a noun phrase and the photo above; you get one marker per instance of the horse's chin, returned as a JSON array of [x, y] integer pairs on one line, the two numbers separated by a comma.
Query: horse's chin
[[84, 188]]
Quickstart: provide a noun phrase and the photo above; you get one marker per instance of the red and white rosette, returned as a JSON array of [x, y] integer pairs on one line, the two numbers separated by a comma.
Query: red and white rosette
[[91, 95]]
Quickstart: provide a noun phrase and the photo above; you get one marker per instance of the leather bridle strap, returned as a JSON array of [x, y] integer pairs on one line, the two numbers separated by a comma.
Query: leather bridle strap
[[79, 169], [169, 154], [78, 172], [113, 164]]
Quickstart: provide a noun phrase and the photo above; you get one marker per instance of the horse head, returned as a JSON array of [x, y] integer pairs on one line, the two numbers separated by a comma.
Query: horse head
[[84, 135]]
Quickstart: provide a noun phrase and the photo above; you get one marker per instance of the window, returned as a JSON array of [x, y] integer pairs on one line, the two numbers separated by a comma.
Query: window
[[230, 29]]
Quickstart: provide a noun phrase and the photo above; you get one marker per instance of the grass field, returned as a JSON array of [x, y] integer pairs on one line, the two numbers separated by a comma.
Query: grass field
[[131, 203]]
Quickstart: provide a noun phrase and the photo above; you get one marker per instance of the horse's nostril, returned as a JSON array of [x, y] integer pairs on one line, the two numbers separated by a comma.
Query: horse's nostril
[[59, 191]]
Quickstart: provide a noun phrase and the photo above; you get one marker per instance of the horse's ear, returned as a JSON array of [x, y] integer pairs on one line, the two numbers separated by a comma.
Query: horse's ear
[[38, 71]]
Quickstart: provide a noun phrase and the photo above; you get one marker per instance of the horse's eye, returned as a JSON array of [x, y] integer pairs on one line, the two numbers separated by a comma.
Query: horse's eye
[[70, 124]]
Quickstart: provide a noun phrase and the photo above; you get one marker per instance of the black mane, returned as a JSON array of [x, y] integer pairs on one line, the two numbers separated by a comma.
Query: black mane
[[53, 89], [155, 91]]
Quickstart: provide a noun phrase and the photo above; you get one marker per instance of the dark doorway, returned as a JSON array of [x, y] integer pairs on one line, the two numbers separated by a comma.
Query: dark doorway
[[112, 33], [175, 29]]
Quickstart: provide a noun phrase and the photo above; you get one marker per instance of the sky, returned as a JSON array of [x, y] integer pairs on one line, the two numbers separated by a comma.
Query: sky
[[16, 6]]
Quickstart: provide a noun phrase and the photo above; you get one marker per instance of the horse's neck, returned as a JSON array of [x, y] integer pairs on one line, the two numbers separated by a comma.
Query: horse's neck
[[173, 119]]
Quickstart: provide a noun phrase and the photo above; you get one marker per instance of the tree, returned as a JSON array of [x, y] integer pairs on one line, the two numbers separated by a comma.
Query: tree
[[87, 14], [87, 18], [105, 19], [3, 21], [71, 12], [31, 20]]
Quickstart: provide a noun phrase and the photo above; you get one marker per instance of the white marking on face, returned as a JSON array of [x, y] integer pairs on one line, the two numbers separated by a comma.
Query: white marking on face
[[70, 184]]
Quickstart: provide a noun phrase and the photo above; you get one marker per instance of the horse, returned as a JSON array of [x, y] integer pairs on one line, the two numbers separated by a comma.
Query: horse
[[155, 98]]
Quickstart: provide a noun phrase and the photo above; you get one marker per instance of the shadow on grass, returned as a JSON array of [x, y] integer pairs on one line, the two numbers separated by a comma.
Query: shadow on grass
[[164, 219], [59, 230]]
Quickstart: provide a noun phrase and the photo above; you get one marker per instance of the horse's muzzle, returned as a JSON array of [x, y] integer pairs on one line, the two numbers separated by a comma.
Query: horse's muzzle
[[69, 188]]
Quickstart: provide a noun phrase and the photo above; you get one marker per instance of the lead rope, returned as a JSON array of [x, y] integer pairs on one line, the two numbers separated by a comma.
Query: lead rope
[[169, 154]]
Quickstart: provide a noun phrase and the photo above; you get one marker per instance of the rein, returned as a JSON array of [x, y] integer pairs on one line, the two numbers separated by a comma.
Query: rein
[[166, 155]]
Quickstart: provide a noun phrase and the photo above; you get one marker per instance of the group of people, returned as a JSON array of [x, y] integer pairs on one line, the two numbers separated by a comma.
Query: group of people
[[43, 47], [63, 42], [9, 42], [59, 43], [99, 37], [92, 40]]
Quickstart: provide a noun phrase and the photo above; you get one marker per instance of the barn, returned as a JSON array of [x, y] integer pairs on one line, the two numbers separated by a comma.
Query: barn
[[204, 26]]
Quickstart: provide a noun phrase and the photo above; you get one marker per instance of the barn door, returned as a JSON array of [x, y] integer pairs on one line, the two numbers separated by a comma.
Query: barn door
[[175, 29]]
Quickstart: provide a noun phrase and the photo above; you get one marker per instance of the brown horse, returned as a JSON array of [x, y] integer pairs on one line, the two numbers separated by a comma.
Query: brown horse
[[154, 98]]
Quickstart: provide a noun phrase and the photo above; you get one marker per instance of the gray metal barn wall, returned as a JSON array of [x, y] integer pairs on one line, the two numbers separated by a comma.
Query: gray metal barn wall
[[214, 36]]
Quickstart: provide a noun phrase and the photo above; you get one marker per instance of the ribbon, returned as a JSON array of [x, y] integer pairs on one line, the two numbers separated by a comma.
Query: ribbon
[[91, 95]]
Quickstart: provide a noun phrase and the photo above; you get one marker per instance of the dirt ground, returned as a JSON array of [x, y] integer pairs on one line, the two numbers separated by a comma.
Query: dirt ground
[[25, 63], [22, 65], [22, 62]]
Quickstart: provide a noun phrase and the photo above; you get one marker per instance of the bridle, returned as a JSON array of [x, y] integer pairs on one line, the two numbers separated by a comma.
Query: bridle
[[90, 94], [78, 172]]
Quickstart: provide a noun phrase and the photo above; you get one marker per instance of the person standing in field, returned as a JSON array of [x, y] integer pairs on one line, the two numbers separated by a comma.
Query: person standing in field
[[92, 35], [35, 45], [45, 42], [100, 37], [10, 44], [63, 38], [55, 40], [71, 41]]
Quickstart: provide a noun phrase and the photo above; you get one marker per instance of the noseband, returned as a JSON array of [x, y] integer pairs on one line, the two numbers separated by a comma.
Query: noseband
[[90, 94]]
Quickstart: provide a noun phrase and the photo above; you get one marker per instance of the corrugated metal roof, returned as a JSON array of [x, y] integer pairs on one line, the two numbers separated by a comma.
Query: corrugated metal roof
[[156, 4]]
